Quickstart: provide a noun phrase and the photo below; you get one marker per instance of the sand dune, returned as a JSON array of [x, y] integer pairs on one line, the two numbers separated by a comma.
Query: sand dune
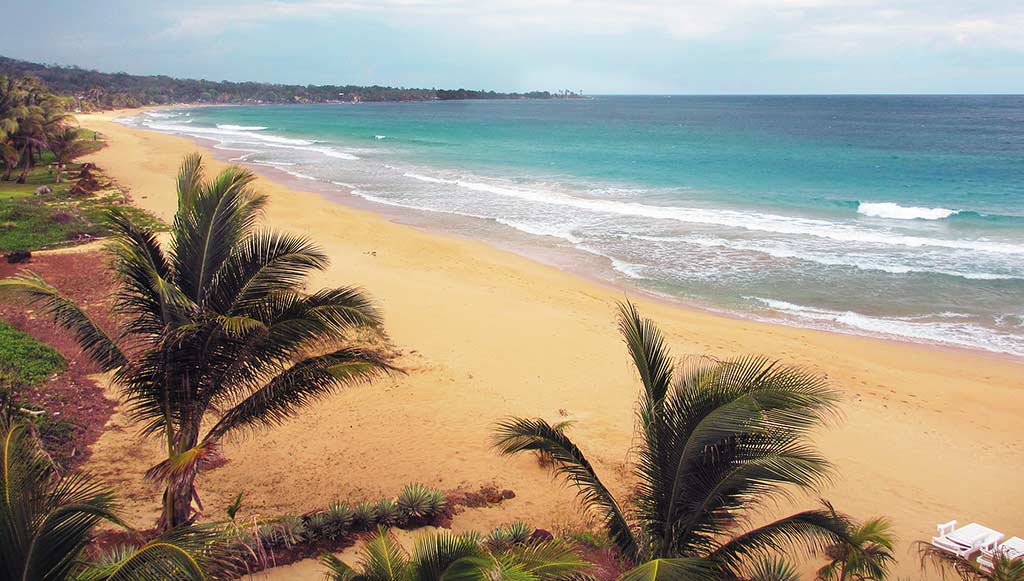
[[928, 434]]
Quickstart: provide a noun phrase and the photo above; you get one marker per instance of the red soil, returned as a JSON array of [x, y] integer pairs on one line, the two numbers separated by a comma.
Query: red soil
[[71, 396]]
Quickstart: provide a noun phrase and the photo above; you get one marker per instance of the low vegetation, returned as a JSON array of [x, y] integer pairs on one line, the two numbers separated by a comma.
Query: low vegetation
[[464, 556], [217, 337], [96, 90]]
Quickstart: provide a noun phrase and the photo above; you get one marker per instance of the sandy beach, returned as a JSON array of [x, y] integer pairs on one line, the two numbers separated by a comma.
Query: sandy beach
[[928, 434]]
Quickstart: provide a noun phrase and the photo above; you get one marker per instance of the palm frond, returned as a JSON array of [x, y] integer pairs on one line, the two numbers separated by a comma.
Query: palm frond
[[650, 356], [66, 314], [434, 553], [208, 231], [772, 568], [183, 554], [47, 520], [384, 559], [515, 435], [811, 531], [190, 180], [673, 570], [299, 386], [263, 263], [549, 560], [337, 570]]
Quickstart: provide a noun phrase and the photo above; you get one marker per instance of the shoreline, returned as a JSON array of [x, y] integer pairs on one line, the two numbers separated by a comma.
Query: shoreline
[[528, 246], [488, 333]]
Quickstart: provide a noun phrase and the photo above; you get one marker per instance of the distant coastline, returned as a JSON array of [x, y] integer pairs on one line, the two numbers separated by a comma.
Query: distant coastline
[[94, 90]]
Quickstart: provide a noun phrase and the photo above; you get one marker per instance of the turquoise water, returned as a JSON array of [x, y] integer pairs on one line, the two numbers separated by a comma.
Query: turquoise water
[[882, 215]]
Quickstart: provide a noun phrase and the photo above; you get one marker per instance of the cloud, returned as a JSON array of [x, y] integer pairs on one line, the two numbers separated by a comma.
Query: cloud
[[792, 24]]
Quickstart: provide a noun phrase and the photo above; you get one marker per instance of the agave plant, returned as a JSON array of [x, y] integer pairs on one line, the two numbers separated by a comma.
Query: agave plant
[[417, 502], [387, 513], [218, 337], [364, 515], [717, 441], [47, 520], [445, 555], [865, 556]]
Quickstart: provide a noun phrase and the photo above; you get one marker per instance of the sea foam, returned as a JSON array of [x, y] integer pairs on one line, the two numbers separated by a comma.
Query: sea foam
[[897, 212]]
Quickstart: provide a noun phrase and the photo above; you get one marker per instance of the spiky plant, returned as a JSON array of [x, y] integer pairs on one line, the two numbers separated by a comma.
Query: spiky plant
[[514, 533], [437, 503], [865, 556], [47, 519], [339, 519], [717, 441], [318, 526], [218, 337], [285, 531], [364, 515], [445, 555], [386, 513], [414, 502], [772, 568]]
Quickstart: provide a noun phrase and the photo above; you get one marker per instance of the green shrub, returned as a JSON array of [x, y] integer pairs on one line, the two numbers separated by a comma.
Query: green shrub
[[25, 360], [438, 503], [364, 515], [386, 513], [317, 526], [516, 533], [285, 531], [414, 502], [339, 517]]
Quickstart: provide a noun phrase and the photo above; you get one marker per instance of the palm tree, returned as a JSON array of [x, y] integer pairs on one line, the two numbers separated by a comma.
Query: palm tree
[[1003, 569], [47, 520], [66, 146], [718, 439], [466, 556], [217, 337], [865, 556]]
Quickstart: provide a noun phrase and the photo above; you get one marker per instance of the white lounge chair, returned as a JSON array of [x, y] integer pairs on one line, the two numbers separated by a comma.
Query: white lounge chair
[[1013, 549], [966, 540]]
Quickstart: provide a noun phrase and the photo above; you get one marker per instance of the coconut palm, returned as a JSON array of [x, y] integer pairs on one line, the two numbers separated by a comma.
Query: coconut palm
[[47, 519], [217, 336], [66, 146], [465, 556], [865, 556], [717, 440]]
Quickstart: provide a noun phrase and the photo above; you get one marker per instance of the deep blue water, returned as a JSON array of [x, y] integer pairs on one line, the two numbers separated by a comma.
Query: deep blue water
[[900, 216]]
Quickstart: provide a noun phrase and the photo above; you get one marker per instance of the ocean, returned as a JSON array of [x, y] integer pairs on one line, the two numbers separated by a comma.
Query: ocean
[[892, 216]]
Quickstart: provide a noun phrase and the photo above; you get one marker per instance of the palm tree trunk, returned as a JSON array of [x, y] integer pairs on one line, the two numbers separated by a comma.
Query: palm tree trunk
[[177, 506], [24, 169]]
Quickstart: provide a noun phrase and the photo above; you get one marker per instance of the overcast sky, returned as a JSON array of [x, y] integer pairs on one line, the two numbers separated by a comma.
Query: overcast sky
[[598, 46]]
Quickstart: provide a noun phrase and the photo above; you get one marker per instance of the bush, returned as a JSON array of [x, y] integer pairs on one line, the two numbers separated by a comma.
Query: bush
[[340, 517], [387, 513], [285, 531], [364, 515], [317, 526], [414, 502], [516, 533]]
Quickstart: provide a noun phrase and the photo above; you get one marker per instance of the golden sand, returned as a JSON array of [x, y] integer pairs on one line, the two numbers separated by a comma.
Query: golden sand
[[928, 435]]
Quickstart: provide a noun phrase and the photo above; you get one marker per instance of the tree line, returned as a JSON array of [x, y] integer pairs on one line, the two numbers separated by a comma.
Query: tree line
[[94, 90]]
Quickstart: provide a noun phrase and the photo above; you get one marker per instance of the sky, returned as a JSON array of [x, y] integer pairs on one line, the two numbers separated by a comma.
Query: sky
[[597, 46]]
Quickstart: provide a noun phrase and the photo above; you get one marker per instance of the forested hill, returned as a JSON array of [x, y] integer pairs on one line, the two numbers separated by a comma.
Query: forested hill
[[96, 90]]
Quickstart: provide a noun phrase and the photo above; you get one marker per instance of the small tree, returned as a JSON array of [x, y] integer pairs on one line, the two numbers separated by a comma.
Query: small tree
[[66, 146], [218, 336], [717, 440]]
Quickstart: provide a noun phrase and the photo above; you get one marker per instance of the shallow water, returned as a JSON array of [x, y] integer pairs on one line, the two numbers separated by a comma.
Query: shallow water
[[894, 216]]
